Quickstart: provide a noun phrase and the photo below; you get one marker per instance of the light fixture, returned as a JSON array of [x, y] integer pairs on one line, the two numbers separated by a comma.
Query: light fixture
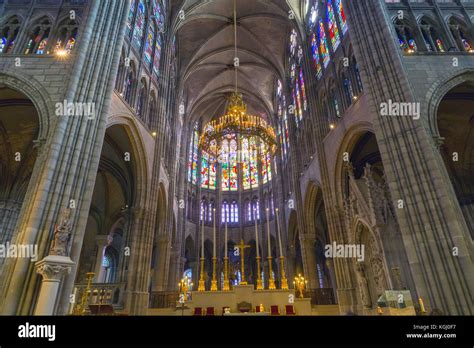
[[153, 134], [61, 53], [332, 126]]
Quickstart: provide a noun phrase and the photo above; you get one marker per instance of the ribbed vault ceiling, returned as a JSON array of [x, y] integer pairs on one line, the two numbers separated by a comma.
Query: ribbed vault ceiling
[[206, 53]]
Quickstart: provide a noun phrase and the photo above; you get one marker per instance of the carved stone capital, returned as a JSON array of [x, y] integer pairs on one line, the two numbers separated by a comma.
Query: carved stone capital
[[53, 267]]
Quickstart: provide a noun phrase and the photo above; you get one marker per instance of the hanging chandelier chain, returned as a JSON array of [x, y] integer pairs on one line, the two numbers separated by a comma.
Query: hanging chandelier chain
[[235, 46], [236, 120]]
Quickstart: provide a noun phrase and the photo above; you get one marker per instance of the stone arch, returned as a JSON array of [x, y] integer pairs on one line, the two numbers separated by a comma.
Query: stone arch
[[19, 128], [455, 126], [39, 97], [347, 144], [437, 92]]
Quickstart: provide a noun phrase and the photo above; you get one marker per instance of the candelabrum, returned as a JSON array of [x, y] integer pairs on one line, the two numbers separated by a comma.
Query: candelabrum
[[284, 281], [202, 282], [184, 285], [214, 280], [226, 286], [82, 307], [259, 278], [300, 285], [271, 280]]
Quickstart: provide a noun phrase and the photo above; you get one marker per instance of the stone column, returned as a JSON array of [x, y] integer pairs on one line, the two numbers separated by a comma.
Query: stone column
[[102, 242], [309, 261], [431, 222], [52, 268], [162, 255]]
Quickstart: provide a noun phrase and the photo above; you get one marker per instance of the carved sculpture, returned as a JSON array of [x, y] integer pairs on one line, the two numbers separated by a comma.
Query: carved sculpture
[[62, 234]]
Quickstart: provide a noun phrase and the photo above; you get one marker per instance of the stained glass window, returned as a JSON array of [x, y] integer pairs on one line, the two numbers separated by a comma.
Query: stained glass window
[[341, 15], [157, 57], [248, 207], [256, 209], [131, 15], [3, 44], [282, 115], [315, 54], [233, 176], [332, 26], [193, 156], [210, 211], [313, 15], [203, 210], [205, 170], [225, 164], [246, 164], [139, 29], [234, 212], [440, 46], [253, 163], [323, 45], [225, 215], [149, 43]]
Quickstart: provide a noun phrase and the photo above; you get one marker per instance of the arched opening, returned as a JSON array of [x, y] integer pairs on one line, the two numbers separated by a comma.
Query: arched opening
[[39, 34], [456, 128], [107, 237], [380, 254], [8, 33], [19, 129]]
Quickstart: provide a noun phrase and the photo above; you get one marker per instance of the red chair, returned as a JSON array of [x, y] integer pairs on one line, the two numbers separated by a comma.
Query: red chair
[[209, 311], [198, 311], [290, 310], [257, 309], [274, 310]]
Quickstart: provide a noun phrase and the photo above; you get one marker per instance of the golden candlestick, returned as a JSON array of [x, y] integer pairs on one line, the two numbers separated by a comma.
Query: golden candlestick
[[226, 286], [422, 306], [202, 282], [214, 280], [259, 278], [300, 285], [271, 280], [81, 308], [284, 281]]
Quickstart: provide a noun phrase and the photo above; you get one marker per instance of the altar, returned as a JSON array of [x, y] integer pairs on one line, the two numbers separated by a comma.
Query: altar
[[247, 294]]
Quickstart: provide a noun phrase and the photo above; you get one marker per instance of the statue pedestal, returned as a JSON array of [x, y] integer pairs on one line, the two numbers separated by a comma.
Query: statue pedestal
[[52, 268]]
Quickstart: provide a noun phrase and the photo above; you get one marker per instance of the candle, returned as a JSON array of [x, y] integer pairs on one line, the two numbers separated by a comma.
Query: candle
[[202, 239], [256, 232], [268, 234], [225, 248], [214, 235], [279, 232]]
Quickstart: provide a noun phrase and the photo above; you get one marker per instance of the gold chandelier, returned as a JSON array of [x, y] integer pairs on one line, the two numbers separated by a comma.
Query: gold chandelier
[[236, 120]]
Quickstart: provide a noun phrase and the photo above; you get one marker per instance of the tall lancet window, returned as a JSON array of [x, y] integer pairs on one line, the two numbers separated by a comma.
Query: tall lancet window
[[139, 28], [297, 84], [8, 35], [39, 38]]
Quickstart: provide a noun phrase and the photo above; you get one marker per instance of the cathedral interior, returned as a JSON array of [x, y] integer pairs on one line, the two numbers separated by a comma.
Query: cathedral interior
[[226, 157]]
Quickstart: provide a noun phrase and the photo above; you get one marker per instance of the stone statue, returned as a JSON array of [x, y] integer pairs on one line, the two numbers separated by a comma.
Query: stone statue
[[363, 286], [62, 233]]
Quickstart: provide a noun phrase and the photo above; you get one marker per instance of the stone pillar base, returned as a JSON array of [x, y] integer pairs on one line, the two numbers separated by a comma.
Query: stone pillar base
[[51, 268]]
